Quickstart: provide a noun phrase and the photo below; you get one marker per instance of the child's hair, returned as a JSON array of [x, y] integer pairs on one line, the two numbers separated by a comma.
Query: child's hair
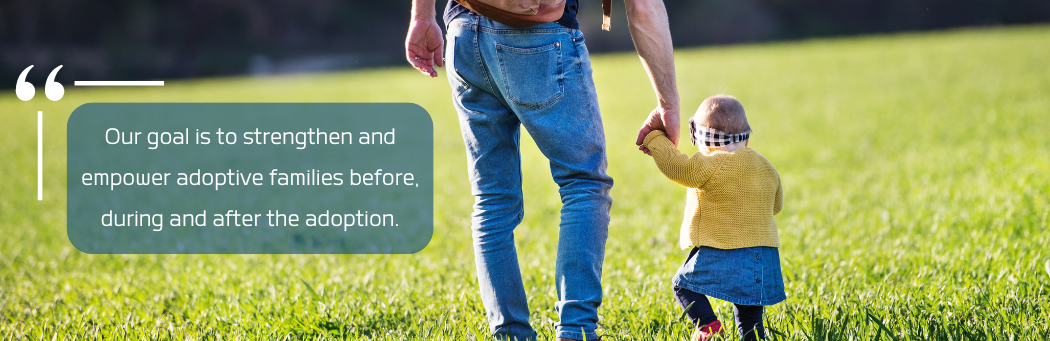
[[723, 112]]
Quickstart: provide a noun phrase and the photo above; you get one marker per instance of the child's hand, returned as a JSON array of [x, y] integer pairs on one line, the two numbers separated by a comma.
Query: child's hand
[[661, 118]]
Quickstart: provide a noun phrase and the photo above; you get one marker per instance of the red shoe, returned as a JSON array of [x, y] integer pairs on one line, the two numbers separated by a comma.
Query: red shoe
[[708, 331]]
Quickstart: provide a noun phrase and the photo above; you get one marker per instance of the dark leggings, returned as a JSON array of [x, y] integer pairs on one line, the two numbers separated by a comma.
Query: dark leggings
[[748, 317]]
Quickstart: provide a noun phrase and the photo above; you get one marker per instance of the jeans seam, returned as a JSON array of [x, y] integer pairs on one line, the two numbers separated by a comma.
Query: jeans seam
[[481, 61], [477, 26], [761, 271], [514, 31], [506, 31], [455, 75], [577, 44]]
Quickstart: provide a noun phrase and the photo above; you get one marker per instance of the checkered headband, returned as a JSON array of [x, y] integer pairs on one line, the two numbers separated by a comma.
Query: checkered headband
[[716, 138]]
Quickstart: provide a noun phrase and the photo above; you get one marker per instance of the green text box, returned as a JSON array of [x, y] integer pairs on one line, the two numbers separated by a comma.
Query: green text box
[[358, 176]]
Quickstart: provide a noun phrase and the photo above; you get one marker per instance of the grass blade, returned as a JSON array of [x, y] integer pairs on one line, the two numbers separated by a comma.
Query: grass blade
[[311, 290]]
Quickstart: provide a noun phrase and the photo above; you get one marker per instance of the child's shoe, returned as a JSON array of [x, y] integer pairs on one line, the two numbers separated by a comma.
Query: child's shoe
[[708, 331]]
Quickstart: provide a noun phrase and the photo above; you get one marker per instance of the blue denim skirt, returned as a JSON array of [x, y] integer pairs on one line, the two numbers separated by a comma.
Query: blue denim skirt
[[748, 276]]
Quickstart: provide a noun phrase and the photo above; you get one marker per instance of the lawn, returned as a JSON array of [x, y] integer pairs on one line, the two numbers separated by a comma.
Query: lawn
[[916, 170]]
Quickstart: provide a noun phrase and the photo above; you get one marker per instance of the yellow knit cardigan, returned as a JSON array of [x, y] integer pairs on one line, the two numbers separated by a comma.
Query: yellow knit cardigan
[[732, 196]]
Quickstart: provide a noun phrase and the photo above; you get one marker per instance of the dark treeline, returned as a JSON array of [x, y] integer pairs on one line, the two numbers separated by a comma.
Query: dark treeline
[[165, 39]]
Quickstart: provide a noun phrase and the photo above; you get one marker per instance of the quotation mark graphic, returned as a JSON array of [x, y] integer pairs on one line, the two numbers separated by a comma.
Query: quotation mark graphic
[[52, 89]]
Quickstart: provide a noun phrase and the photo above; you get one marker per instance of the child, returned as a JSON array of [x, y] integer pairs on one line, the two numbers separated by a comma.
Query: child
[[733, 194]]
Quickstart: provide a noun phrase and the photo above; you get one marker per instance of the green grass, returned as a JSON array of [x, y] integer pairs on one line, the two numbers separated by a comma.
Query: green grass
[[916, 170]]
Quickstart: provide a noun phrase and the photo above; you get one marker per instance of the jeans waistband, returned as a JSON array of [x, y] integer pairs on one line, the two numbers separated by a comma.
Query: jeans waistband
[[477, 22]]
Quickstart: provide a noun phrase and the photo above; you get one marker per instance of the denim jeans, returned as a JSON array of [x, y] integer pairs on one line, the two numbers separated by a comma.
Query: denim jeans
[[538, 77]]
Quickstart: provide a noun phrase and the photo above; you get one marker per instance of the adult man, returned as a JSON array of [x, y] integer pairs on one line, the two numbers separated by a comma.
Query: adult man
[[538, 77]]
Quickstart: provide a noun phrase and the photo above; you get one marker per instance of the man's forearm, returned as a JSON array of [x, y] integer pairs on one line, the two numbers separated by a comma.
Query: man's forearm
[[647, 21], [423, 9]]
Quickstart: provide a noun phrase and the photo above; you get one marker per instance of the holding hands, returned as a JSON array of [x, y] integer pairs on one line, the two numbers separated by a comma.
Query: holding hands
[[662, 118]]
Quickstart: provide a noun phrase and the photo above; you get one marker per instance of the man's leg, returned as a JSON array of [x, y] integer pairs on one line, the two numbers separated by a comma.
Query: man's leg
[[495, 175], [490, 132], [570, 134], [543, 74]]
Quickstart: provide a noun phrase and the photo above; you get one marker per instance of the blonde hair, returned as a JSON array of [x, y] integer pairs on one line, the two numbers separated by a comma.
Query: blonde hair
[[722, 112]]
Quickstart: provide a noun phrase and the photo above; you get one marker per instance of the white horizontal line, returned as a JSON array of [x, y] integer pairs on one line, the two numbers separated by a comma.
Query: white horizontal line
[[118, 83]]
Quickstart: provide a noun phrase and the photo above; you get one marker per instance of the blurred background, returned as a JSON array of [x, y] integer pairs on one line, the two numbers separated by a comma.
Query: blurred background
[[164, 39]]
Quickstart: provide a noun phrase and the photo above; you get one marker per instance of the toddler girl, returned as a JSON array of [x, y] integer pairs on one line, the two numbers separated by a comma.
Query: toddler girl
[[733, 194]]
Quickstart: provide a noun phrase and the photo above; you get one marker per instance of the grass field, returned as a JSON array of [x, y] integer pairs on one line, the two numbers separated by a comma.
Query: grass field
[[916, 171]]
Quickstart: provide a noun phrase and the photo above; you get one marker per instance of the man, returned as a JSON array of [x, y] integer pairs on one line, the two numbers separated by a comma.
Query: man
[[538, 77]]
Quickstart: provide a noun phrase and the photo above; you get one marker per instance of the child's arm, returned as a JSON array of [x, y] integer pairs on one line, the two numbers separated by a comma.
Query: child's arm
[[687, 171]]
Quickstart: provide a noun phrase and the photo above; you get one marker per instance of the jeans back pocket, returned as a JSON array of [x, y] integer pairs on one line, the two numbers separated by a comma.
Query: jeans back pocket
[[532, 77]]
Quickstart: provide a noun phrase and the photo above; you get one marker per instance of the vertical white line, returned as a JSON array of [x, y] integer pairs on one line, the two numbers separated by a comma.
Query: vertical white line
[[39, 155]]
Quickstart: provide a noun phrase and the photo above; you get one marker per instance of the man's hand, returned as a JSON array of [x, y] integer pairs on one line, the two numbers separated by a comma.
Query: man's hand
[[424, 46], [665, 119]]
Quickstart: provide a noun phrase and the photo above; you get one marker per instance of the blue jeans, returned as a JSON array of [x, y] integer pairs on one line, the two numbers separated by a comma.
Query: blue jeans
[[540, 78]]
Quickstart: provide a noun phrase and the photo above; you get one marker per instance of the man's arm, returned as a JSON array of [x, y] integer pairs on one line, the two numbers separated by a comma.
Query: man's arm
[[424, 45], [647, 20]]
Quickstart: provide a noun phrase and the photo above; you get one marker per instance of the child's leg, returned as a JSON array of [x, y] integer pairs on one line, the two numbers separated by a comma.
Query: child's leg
[[749, 322], [700, 313]]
